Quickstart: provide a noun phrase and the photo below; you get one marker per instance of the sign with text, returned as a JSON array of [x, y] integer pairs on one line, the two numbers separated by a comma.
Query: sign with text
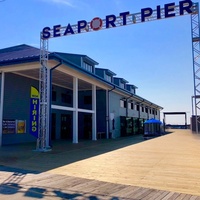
[[9, 126], [34, 112], [124, 18]]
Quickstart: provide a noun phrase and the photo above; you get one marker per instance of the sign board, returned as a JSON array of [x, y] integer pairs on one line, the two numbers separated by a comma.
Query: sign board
[[9, 126], [124, 18], [34, 112]]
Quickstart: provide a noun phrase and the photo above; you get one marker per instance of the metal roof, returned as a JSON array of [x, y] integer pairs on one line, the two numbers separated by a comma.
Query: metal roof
[[18, 52], [67, 56], [122, 79], [107, 71]]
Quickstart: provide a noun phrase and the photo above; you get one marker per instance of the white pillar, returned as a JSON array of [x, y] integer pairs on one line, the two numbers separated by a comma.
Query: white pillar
[[75, 112], [1, 106], [94, 117]]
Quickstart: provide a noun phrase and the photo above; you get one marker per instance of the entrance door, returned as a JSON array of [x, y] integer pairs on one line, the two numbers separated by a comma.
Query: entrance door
[[66, 122], [53, 126], [88, 126]]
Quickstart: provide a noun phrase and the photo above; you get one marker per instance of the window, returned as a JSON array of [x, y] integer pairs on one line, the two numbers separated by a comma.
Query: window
[[108, 78], [66, 98], [122, 104], [146, 110], [138, 107], [122, 85], [53, 95], [132, 106], [87, 99], [131, 89], [142, 109], [87, 67]]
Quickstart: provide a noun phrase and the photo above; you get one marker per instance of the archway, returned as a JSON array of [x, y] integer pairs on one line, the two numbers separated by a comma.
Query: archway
[[186, 7]]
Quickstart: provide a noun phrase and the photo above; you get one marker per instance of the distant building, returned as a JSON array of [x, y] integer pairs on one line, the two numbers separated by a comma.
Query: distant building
[[86, 102]]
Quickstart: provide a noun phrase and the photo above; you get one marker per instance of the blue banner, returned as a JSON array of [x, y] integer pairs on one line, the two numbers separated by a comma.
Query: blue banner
[[34, 112]]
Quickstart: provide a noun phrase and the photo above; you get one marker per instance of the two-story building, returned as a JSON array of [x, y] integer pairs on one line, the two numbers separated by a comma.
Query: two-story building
[[86, 102]]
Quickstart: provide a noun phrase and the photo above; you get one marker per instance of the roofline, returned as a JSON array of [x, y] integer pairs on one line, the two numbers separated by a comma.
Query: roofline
[[109, 71], [133, 86], [19, 60], [82, 55], [55, 56], [124, 80]]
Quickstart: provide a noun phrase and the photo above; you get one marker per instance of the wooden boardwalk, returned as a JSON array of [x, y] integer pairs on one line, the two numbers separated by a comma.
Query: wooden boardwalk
[[50, 186], [164, 168]]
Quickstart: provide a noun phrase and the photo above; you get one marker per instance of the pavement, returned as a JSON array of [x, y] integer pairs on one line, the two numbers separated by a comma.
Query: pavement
[[167, 167]]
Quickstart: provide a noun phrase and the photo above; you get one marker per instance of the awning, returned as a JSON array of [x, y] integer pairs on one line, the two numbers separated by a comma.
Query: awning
[[153, 121]]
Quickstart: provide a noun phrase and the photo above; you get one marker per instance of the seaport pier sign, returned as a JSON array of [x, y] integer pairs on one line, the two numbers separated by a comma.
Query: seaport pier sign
[[124, 18]]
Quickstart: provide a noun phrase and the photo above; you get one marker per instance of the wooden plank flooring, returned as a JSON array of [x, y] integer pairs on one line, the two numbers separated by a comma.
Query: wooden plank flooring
[[85, 189], [169, 163], [78, 188], [165, 168], [53, 186]]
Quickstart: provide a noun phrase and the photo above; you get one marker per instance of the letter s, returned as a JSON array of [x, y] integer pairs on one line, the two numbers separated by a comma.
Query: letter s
[[45, 33]]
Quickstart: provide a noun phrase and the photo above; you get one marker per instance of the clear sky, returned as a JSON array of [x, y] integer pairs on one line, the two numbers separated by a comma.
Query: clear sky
[[155, 56]]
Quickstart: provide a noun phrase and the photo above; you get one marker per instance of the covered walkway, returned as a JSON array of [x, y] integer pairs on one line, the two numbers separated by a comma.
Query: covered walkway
[[167, 167]]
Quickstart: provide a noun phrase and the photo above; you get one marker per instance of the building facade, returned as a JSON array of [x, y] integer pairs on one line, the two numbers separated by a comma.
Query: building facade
[[87, 102]]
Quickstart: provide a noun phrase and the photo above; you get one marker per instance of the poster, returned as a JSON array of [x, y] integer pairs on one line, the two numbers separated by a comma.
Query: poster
[[9, 126], [21, 126]]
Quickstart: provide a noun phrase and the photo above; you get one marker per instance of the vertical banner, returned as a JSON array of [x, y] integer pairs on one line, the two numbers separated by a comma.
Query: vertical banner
[[34, 111]]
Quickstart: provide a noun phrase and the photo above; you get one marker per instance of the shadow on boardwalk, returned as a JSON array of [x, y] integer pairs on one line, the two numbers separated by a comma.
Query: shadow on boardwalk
[[23, 166], [63, 152]]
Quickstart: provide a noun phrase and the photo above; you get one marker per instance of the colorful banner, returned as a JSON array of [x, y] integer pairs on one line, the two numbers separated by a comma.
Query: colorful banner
[[34, 111]]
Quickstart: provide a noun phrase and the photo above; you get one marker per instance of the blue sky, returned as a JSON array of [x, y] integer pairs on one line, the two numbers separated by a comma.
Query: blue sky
[[155, 56]]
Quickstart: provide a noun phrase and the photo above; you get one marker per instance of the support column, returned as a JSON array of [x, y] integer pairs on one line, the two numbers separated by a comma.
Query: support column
[[48, 112], [195, 32], [1, 106], [94, 125], [44, 89], [75, 113]]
